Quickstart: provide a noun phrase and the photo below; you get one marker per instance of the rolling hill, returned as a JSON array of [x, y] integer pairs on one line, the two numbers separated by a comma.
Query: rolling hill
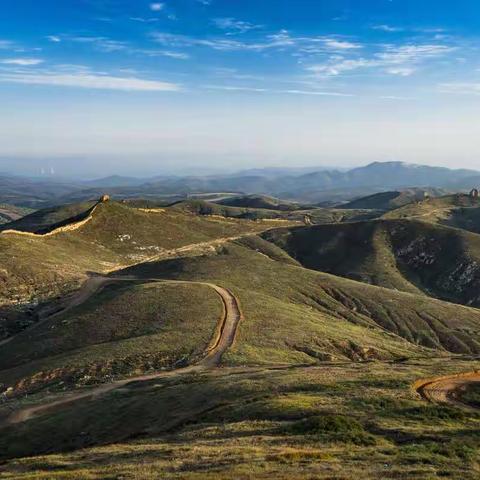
[[408, 255], [316, 369]]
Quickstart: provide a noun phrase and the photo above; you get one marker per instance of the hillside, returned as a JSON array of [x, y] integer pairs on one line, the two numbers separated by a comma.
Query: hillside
[[315, 215], [293, 315], [37, 268], [408, 255], [260, 201], [394, 199]]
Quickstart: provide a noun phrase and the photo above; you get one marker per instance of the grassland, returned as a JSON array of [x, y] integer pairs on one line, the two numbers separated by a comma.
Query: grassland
[[124, 329], [317, 422]]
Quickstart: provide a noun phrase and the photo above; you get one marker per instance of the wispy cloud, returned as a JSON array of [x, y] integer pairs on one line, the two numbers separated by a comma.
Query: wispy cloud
[[24, 62], [281, 40], [233, 26], [54, 38], [235, 88], [83, 77], [103, 44], [399, 60]]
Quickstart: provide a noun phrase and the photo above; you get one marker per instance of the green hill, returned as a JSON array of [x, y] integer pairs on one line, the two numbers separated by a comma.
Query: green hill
[[407, 255], [36, 268]]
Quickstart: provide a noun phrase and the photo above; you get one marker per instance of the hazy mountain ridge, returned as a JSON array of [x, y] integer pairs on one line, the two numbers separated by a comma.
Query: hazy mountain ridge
[[314, 186]]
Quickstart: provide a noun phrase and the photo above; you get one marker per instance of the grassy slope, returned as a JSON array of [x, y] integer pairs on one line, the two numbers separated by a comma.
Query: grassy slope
[[290, 423], [296, 315], [39, 267], [121, 330], [408, 255]]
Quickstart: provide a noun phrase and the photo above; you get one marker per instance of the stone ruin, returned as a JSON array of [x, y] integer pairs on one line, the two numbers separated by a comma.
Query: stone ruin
[[104, 199], [474, 193]]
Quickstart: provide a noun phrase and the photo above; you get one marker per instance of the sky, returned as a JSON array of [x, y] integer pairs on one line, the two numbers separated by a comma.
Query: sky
[[95, 87]]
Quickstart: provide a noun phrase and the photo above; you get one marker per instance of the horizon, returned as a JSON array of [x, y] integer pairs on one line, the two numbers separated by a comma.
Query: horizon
[[212, 172], [138, 87]]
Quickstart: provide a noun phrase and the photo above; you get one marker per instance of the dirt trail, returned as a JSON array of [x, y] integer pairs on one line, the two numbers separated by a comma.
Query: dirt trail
[[447, 389], [223, 339]]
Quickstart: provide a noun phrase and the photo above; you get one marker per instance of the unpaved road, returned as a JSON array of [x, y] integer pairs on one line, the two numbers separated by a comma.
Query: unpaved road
[[223, 338], [447, 389]]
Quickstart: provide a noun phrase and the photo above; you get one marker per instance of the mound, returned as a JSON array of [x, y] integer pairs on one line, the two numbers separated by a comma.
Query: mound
[[407, 255]]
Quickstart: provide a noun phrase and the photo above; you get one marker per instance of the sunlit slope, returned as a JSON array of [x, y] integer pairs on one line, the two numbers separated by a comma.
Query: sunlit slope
[[33, 267], [407, 255], [295, 315], [461, 211], [128, 327]]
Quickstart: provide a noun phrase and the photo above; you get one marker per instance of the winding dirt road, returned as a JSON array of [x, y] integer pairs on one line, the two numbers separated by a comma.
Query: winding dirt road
[[447, 389], [224, 337]]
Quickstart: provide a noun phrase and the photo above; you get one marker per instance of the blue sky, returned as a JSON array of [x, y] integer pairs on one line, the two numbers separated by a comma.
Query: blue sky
[[95, 86]]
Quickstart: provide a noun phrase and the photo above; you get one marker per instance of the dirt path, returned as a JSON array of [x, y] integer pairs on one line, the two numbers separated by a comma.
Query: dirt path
[[223, 338], [447, 389]]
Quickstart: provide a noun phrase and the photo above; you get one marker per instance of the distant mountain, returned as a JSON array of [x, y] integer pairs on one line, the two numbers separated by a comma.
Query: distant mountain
[[312, 187]]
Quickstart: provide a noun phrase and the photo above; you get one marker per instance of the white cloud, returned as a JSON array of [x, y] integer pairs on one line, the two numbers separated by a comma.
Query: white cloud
[[54, 38], [234, 26], [24, 62], [395, 60], [334, 44], [280, 41], [88, 79], [156, 7]]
